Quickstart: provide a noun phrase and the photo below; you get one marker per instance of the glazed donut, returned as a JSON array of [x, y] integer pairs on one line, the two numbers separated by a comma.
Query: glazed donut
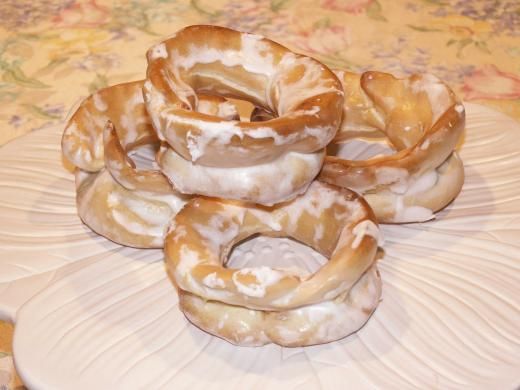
[[336, 222], [131, 218], [422, 121], [127, 204], [82, 141], [266, 184], [115, 199], [303, 95], [123, 169], [307, 325]]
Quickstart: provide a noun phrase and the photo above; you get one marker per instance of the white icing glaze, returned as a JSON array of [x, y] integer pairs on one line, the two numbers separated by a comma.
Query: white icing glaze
[[193, 146], [205, 107], [271, 182], [396, 178], [267, 218], [312, 83], [128, 119], [284, 299], [157, 211], [180, 232], [99, 103], [362, 229], [214, 231], [211, 280], [217, 132], [318, 232], [112, 199], [158, 51], [361, 148], [154, 100], [411, 213], [188, 259], [139, 213], [227, 110], [437, 92], [423, 182], [320, 133], [265, 277], [425, 145], [254, 56], [135, 227], [287, 334], [319, 198], [267, 132], [331, 294]]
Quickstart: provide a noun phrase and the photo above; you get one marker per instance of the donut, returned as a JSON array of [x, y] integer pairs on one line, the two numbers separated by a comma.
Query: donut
[[130, 218], [266, 184], [123, 169], [418, 171], [304, 97], [130, 206], [334, 221], [82, 140], [115, 198], [318, 323]]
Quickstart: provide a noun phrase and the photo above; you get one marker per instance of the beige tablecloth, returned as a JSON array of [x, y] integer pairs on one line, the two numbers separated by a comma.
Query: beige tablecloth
[[54, 52]]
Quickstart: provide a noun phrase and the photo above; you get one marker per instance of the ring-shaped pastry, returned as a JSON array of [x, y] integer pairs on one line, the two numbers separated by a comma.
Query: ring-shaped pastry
[[307, 325], [336, 222], [423, 120], [304, 96], [131, 205], [123, 104]]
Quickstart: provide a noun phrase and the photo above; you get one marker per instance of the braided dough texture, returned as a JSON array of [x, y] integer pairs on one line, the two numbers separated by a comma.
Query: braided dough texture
[[303, 95], [336, 222], [424, 121]]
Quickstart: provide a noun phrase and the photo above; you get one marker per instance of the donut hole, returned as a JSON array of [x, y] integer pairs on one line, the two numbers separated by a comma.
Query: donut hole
[[275, 252]]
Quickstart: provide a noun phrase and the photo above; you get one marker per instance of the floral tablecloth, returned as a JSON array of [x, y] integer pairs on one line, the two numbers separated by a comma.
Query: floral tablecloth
[[55, 52]]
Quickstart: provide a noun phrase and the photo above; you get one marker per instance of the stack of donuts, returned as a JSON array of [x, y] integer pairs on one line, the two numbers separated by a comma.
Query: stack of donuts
[[175, 162]]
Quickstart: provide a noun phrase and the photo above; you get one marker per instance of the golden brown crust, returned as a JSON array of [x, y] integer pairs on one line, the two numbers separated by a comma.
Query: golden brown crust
[[124, 171], [304, 94], [132, 218], [123, 104], [308, 325], [423, 120], [336, 222], [115, 199]]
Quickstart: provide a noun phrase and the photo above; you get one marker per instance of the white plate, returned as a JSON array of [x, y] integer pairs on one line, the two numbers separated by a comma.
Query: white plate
[[96, 315]]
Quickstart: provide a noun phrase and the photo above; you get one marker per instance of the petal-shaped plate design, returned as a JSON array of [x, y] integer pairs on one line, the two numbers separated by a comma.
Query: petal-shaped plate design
[[103, 316]]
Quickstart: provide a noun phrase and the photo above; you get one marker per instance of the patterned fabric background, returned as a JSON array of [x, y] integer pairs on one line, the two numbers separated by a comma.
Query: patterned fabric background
[[56, 52]]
